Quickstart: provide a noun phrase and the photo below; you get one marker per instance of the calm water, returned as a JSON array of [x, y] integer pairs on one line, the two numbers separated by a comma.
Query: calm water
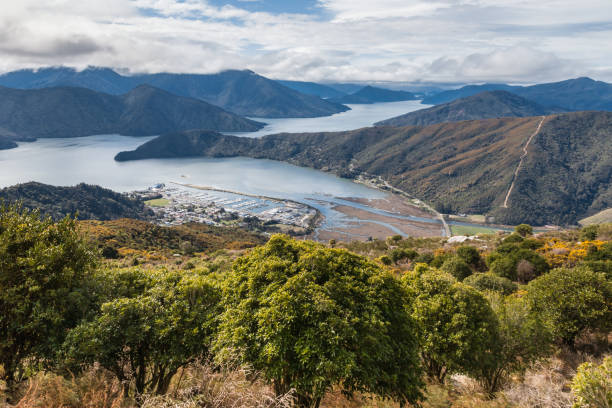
[[359, 116], [90, 160]]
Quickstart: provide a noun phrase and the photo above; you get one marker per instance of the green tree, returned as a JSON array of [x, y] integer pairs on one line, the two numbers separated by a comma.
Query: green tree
[[571, 301], [459, 327], [43, 270], [146, 338], [457, 267], [523, 230], [310, 317], [522, 339], [470, 255], [592, 385], [490, 282]]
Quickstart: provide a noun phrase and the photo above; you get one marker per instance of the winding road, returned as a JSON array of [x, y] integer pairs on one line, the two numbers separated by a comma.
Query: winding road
[[518, 168]]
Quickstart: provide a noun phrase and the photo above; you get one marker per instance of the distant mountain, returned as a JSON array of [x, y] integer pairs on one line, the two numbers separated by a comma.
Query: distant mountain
[[370, 94], [469, 90], [572, 95], [312, 88], [462, 167], [485, 105], [346, 88], [91, 202], [242, 92], [73, 112]]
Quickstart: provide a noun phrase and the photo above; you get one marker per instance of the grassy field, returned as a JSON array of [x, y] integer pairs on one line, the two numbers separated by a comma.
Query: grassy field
[[602, 217], [158, 202], [471, 230]]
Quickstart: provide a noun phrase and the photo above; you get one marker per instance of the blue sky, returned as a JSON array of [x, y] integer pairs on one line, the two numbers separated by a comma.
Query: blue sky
[[443, 41]]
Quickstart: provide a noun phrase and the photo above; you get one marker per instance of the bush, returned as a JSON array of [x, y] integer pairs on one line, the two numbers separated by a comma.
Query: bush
[[144, 339], [311, 318], [513, 238], [571, 301], [589, 233], [523, 230], [44, 267], [522, 340], [592, 385], [458, 325], [470, 255], [456, 267], [490, 282]]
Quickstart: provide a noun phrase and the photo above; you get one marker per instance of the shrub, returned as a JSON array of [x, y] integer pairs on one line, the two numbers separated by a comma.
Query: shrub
[[456, 267], [146, 338], [43, 270], [523, 230], [592, 385], [571, 301], [470, 255], [459, 327], [311, 318], [491, 282], [522, 340]]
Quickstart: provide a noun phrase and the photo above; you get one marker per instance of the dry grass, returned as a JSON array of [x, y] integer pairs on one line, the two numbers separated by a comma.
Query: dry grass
[[544, 386], [202, 385], [96, 388]]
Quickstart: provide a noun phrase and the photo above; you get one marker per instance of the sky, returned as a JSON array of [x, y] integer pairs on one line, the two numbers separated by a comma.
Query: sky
[[439, 41]]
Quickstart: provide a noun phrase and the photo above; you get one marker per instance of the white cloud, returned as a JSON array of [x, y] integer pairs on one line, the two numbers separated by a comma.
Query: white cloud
[[385, 40]]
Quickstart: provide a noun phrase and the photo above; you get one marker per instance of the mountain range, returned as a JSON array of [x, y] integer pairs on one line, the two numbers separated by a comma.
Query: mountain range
[[242, 92], [462, 167], [572, 94], [370, 94], [73, 112], [485, 105]]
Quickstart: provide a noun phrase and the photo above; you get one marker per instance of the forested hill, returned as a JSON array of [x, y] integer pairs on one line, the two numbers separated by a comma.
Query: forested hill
[[91, 202], [463, 167], [242, 92], [485, 105], [73, 112]]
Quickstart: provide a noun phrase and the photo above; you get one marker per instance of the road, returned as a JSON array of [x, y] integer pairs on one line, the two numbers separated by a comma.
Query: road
[[518, 168]]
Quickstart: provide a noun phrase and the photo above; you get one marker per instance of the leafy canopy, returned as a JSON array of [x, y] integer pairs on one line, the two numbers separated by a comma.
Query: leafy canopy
[[43, 270], [310, 318], [571, 301], [458, 325]]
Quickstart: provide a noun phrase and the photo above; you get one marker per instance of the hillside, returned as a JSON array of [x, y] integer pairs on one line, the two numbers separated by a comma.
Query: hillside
[[485, 105], [370, 94], [463, 167], [242, 92], [91, 202], [463, 92], [73, 112], [7, 143], [312, 88], [572, 95]]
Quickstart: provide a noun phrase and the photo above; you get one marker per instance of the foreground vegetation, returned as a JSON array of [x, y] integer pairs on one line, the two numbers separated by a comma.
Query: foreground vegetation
[[506, 321]]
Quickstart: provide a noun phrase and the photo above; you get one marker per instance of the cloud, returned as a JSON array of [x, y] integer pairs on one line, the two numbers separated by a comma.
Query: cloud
[[387, 40]]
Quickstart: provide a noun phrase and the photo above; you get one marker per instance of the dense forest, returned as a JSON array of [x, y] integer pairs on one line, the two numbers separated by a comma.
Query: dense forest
[[464, 167], [88, 201], [508, 320]]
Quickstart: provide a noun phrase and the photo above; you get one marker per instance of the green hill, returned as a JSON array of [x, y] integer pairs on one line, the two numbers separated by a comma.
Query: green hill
[[91, 202], [463, 167]]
